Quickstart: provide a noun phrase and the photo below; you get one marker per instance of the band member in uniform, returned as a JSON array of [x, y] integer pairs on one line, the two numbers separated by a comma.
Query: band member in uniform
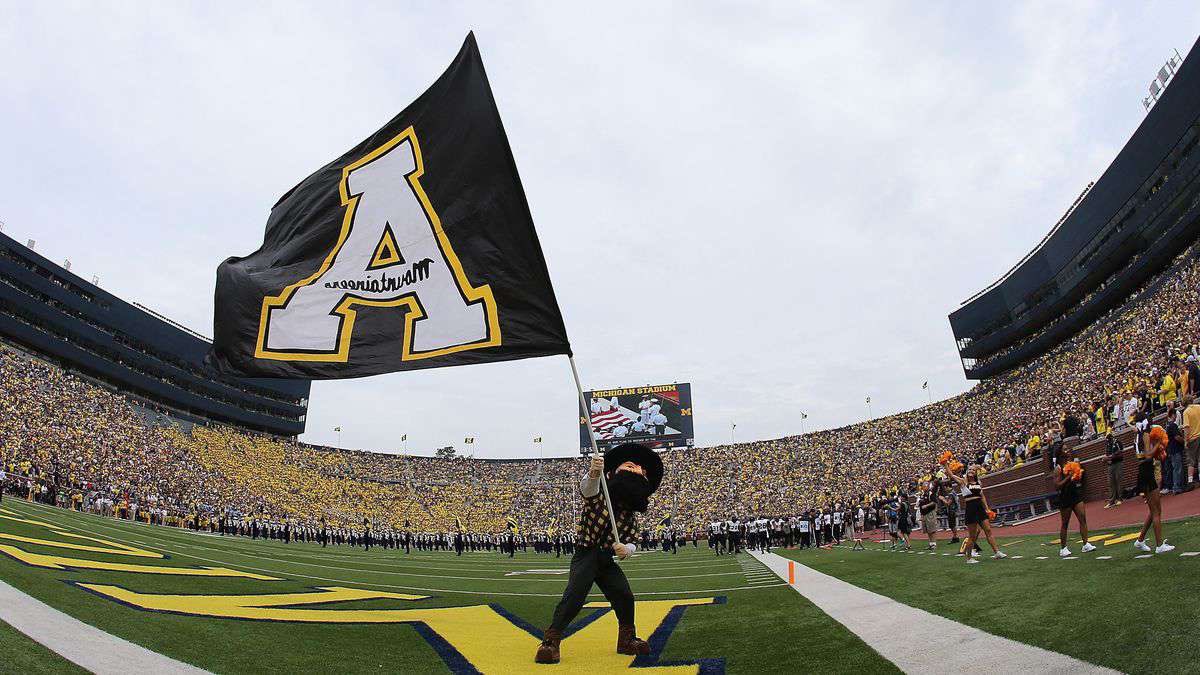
[[1070, 499], [975, 505], [1151, 448], [633, 472]]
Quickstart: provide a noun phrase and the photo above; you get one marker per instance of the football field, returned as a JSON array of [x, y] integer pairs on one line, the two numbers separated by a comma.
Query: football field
[[235, 605]]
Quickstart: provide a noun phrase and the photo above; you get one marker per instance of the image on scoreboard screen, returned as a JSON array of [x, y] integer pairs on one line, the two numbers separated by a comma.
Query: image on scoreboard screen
[[658, 415]]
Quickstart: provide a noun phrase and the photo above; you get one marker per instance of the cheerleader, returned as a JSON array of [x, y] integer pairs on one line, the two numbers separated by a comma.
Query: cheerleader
[[1151, 447], [975, 505], [1070, 499]]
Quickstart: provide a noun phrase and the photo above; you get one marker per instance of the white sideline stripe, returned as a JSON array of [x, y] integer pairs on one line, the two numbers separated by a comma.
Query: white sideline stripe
[[888, 627], [84, 645]]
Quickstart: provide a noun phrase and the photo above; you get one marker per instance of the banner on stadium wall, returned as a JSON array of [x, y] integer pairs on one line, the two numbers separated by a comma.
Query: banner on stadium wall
[[415, 249], [659, 416]]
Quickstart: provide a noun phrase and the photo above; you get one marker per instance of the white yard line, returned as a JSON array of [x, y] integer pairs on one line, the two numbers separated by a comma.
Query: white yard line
[[940, 644], [86, 646]]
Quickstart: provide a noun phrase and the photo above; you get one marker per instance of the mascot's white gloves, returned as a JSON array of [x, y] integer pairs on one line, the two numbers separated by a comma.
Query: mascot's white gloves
[[623, 551]]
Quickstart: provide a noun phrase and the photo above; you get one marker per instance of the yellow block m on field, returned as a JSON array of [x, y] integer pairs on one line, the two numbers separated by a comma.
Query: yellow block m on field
[[478, 638]]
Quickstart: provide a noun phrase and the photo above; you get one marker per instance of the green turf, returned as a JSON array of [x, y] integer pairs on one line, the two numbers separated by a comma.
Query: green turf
[[19, 654], [761, 625], [1126, 613]]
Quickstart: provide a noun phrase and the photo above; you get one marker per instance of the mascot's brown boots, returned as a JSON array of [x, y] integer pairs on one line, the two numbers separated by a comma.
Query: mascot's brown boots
[[629, 643], [548, 651]]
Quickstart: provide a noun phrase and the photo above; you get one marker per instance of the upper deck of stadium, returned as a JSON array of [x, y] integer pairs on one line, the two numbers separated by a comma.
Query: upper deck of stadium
[[1127, 226], [48, 310]]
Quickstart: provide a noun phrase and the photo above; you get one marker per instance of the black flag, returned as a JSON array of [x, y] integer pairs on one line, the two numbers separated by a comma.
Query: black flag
[[415, 249]]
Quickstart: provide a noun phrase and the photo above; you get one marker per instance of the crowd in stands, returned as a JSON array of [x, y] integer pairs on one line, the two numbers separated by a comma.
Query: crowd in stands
[[66, 439]]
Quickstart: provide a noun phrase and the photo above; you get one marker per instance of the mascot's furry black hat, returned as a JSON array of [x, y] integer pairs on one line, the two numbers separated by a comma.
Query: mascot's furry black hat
[[640, 455]]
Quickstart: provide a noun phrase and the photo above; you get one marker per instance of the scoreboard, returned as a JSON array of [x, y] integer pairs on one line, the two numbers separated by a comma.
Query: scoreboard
[[659, 416]]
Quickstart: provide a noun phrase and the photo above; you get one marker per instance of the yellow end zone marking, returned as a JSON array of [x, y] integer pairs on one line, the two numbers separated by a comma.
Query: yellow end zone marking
[[264, 607], [485, 638], [54, 562], [111, 547], [12, 515], [114, 548], [1122, 539]]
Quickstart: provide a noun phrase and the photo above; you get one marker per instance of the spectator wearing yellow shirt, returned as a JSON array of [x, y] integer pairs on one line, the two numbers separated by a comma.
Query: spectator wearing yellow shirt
[[1100, 418], [1167, 390], [1191, 424]]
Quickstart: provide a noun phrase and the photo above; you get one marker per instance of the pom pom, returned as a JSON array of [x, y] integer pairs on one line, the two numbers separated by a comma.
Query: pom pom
[[955, 465], [991, 514], [945, 457], [1073, 470], [1158, 435]]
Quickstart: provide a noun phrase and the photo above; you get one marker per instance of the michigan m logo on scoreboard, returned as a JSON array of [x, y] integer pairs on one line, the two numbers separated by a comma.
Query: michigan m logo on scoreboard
[[414, 249]]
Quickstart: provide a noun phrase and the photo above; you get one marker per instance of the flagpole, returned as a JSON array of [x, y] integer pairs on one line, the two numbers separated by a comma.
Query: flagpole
[[587, 411]]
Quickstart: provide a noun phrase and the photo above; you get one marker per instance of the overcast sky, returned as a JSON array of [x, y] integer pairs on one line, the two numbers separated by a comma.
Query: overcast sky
[[778, 203]]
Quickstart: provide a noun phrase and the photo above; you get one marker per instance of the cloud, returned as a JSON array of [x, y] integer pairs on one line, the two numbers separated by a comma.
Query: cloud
[[777, 202]]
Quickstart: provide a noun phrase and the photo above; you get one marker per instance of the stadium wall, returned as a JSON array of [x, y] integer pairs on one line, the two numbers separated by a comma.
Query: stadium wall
[[1034, 481], [1124, 230], [48, 310]]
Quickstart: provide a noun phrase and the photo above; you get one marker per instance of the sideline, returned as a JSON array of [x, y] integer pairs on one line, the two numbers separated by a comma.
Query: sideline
[[941, 645], [82, 644]]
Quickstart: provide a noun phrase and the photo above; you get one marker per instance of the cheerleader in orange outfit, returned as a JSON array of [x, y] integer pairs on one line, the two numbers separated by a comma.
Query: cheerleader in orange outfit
[[1151, 448], [1068, 476], [976, 512]]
